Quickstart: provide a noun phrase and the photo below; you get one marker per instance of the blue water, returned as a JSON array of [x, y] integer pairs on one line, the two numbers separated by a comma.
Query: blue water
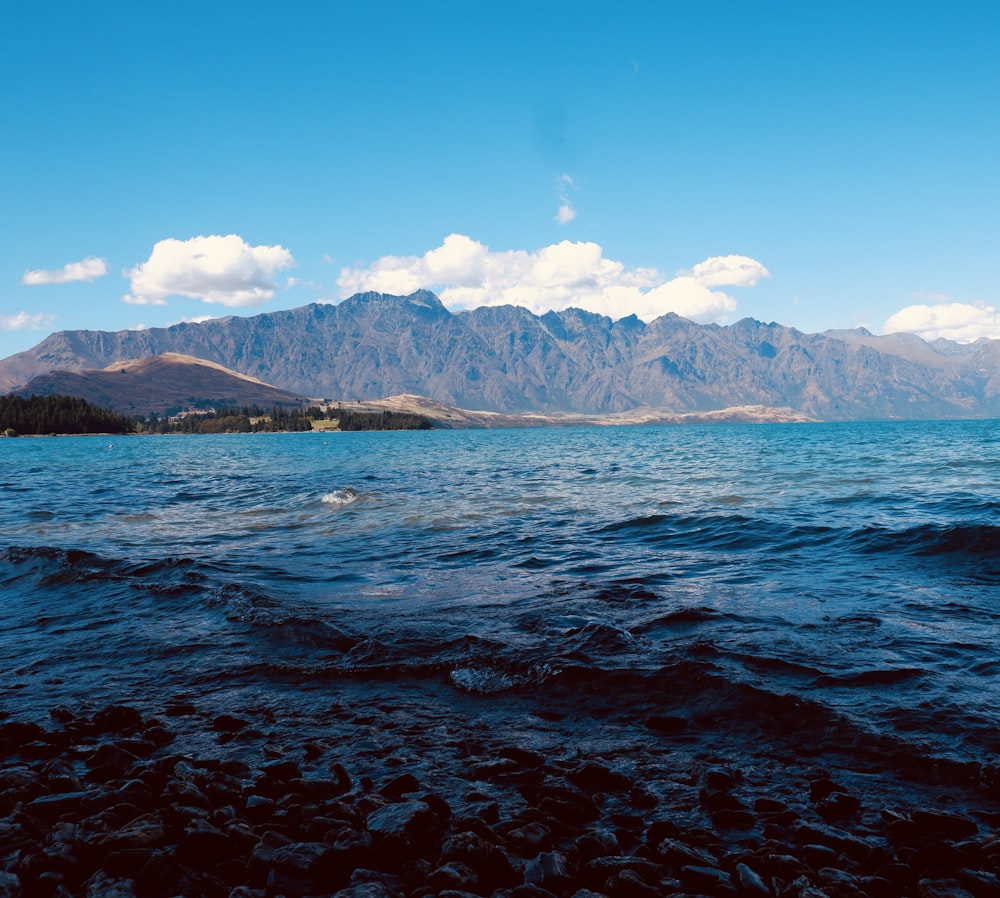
[[833, 576]]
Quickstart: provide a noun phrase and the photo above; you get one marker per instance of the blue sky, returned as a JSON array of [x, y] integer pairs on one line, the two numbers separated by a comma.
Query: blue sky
[[819, 164]]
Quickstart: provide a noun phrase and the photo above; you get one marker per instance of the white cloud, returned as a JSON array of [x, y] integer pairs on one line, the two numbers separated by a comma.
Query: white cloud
[[25, 321], [958, 321], [567, 212], [467, 274], [215, 269], [729, 271], [89, 269]]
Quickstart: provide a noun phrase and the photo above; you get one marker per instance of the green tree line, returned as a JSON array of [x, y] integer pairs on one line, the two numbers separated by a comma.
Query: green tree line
[[251, 419], [36, 415], [68, 414]]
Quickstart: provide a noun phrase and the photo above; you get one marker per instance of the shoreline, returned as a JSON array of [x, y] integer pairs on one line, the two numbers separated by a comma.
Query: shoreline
[[374, 800]]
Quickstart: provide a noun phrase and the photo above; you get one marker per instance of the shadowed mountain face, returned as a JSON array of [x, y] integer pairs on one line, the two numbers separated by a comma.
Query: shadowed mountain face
[[506, 359], [159, 384]]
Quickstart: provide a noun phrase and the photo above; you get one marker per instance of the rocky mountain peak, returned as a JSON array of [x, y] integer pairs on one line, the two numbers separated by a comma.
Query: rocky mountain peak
[[507, 360]]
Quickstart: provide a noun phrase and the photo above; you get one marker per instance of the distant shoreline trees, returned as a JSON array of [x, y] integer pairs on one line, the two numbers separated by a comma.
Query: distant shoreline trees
[[252, 419], [41, 415]]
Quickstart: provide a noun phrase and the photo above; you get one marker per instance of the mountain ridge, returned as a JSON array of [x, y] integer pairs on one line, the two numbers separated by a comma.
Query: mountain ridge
[[160, 384], [506, 359]]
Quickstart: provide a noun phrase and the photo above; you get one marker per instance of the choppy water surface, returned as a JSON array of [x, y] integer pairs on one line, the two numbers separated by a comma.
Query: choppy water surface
[[697, 571]]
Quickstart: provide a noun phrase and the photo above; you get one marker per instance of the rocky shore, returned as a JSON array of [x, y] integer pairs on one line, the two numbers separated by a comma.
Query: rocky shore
[[114, 803]]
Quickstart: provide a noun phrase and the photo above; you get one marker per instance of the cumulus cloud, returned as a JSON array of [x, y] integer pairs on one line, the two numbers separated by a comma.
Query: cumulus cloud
[[25, 321], [215, 269], [89, 269], [958, 321], [467, 274]]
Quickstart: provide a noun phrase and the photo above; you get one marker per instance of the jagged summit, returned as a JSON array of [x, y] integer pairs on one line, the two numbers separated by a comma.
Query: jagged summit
[[506, 359]]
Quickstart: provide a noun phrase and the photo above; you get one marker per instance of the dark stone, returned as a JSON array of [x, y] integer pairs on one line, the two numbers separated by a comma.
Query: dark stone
[[899, 874], [981, 883], [902, 832], [17, 733], [284, 771], [259, 808], [548, 870], [159, 736], [711, 878], [109, 761], [668, 725], [677, 854], [820, 788], [317, 789], [565, 805], [127, 862], [662, 829], [842, 842], [224, 723], [783, 819], [368, 890], [642, 799], [938, 855], [721, 801], [347, 850], [595, 777], [719, 779], [295, 868], [627, 883], [817, 856], [438, 805], [406, 826], [939, 823], [531, 890], [529, 839], [837, 806], [522, 757], [733, 819], [602, 868], [785, 866], [201, 840], [750, 882], [484, 857], [594, 844], [13, 837], [399, 786], [67, 805], [941, 888], [877, 887], [117, 719], [493, 769], [453, 875]]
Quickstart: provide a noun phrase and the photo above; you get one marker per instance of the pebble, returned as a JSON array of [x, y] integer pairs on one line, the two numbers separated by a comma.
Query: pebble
[[102, 809]]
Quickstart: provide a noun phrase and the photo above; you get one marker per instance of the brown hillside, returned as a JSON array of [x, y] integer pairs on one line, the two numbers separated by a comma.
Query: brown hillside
[[161, 383]]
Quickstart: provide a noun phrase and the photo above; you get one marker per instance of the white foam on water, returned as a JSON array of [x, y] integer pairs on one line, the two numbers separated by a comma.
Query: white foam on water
[[482, 680], [340, 497]]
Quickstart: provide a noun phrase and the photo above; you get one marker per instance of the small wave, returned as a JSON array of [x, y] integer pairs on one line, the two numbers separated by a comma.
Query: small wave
[[483, 680], [868, 678], [734, 532], [338, 498], [54, 567], [933, 539]]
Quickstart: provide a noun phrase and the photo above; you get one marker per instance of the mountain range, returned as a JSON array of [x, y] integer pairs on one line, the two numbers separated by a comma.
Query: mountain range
[[506, 359]]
